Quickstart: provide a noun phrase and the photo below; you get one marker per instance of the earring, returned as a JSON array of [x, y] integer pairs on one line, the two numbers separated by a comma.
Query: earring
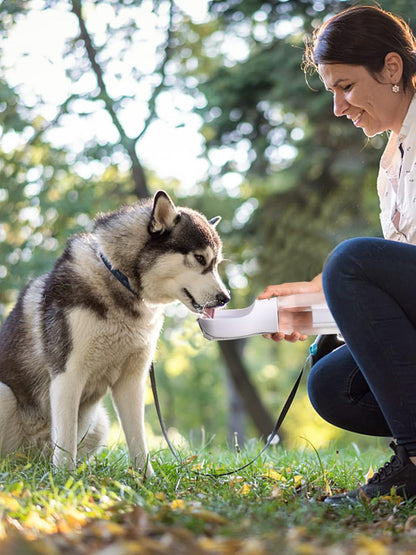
[[395, 88]]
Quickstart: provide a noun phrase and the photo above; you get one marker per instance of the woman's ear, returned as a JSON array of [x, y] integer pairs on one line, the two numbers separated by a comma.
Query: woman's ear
[[393, 68]]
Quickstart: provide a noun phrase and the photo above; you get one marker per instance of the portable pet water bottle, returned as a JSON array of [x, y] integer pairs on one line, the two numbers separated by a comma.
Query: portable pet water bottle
[[306, 313]]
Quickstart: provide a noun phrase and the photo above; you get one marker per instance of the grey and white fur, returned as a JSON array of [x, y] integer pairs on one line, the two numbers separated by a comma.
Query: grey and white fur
[[92, 323]]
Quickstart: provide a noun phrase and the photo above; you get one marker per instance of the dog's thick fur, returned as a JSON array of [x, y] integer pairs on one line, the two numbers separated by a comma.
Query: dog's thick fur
[[78, 330]]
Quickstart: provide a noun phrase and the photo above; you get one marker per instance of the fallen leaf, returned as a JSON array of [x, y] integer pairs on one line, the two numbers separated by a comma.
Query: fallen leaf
[[328, 490], [208, 516], [369, 474], [274, 475], [35, 522], [392, 498], [74, 517], [371, 546], [106, 530], [3, 533], [297, 479], [211, 545], [196, 467], [234, 481], [9, 501], [245, 489], [177, 505], [189, 460]]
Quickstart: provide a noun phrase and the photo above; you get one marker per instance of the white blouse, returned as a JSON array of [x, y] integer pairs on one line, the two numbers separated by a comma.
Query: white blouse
[[396, 182]]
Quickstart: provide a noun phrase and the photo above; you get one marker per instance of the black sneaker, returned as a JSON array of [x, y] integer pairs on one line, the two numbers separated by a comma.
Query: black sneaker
[[399, 473]]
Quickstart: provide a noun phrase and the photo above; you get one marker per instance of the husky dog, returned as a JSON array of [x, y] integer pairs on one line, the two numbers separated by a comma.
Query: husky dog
[[92, 323]]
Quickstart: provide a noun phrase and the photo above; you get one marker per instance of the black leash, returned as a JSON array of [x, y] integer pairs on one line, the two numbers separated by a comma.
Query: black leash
[[270, 439]]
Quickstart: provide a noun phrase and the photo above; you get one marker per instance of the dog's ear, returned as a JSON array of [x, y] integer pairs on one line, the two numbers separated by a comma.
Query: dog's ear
[[215, 221], [164, 214]]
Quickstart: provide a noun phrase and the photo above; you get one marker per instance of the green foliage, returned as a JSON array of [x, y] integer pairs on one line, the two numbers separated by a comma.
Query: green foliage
[[312, 175], [42, 202]]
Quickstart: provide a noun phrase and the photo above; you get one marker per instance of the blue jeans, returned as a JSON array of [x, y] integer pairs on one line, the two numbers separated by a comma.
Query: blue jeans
[[369, 385]]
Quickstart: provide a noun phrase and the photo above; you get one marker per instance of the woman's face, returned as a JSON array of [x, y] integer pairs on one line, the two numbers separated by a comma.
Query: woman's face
[[369, 103]]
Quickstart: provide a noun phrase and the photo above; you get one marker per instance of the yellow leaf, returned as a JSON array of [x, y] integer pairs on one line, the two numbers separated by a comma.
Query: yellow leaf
[[114, 529], [36, 522], [369, 474], [274, 475], [208, 516], [393, 497], [106, 530], [189, 460], [75, 518], [3, 533], [328, 490], [9, 501], [234, 481], [371, 546], [211, 545], [245, 489], [297, 480], [63, 527], [305, 549], [178, 505], [160, 496]]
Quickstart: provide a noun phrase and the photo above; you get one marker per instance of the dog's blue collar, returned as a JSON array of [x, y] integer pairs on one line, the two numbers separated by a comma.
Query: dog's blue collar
[[122, 278]]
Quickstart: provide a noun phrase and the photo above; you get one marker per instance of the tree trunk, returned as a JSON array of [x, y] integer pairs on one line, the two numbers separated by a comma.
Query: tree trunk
[[231, 351]]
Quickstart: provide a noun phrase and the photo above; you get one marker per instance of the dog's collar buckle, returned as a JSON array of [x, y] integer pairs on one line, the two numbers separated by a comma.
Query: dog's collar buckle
[[122, 278]]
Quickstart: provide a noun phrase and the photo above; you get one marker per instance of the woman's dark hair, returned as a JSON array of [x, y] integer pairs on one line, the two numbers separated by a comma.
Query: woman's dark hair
[[363, 35]]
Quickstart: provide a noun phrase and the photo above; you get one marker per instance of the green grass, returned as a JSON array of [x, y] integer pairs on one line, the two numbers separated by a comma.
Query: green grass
[[273, 506]]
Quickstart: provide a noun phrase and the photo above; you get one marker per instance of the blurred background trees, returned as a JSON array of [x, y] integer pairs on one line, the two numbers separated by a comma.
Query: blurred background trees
[[102, 102]]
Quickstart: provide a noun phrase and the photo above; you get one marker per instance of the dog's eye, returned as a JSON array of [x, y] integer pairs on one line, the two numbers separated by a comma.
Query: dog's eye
[[200, 259]]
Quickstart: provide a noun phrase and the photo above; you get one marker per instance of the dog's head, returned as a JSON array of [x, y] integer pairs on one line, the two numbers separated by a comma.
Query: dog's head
[[167, 252], [185, 249]]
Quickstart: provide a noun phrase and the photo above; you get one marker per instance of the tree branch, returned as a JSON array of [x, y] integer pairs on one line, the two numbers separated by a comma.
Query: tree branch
[[128, 143], [162, 71]]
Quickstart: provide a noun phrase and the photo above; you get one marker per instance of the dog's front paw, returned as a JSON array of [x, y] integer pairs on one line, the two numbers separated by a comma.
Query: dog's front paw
[[143, 466], [149, 472], [63, 459]]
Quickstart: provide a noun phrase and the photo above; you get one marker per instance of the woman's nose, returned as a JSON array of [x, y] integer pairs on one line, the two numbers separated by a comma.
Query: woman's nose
[[340, 104]]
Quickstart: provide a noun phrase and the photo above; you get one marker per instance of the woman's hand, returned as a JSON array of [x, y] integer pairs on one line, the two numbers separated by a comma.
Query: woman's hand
[[314, 286]]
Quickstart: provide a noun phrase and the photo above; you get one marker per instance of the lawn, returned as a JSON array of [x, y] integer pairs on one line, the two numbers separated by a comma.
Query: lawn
[[273, 506]]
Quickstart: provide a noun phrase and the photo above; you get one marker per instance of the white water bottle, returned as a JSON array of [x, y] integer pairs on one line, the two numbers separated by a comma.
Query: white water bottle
[[306, 313]]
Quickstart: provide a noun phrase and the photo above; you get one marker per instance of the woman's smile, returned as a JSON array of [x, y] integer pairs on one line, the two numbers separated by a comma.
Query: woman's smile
[[357, 118], [366, 100]]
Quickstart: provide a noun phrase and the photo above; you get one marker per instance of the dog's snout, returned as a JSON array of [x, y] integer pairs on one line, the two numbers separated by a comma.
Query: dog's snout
[[222, 298]]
